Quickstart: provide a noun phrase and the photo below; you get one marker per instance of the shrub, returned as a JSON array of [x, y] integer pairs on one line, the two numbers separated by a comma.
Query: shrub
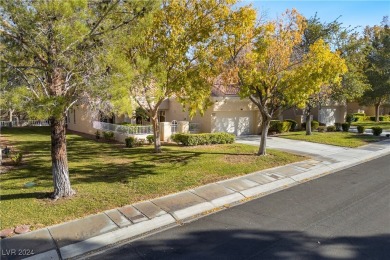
[[286, 126], [203, 139], [293, 124], [322, 124], [345, 127], [314, 125], [349, 118], [130, 142], [279, 126], [17, 158], [376, 130], [275, 126], [360, 129], [359, 118], [321, 129], [331, 128], [338, 126], [108, 135], [150, 139], [381, 118]]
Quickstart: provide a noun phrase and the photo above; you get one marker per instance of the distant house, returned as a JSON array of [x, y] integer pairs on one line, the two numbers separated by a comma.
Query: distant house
[[333, 113], [328, 114]]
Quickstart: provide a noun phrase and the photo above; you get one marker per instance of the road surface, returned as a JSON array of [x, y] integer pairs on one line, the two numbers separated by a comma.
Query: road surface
[[345, 215]]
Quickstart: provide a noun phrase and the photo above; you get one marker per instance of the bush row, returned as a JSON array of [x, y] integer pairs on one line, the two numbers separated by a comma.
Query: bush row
[[358, 117], [203, 139], [314, 125]]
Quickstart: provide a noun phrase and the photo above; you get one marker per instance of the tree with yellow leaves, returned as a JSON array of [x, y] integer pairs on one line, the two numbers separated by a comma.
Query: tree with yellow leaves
[[265, 61], [174, 57]]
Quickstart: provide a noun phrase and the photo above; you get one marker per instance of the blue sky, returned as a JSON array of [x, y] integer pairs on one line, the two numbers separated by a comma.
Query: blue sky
[[352, 13]]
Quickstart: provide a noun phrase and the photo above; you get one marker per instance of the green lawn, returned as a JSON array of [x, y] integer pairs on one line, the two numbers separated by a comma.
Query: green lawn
[[106, 175], [333, 138], [369, 124]]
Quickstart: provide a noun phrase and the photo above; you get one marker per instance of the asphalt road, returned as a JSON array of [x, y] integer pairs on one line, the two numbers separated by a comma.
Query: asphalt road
[[345, 215]]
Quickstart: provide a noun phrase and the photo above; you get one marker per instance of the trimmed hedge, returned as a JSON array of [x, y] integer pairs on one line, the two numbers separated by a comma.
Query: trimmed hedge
[[314, 125], [150, 139], [350, 118], [345, 127], [130, 142], [108, 135], [376, 130], [372, 118], [321, 128], [279, 126], [293, 124], [359, 118], [361, 129], [381, 118], [338, 126], [331, 128], [203, 139]]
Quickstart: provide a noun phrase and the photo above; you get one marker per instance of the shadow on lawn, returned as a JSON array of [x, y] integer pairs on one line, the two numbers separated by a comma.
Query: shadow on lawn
[[91, 161], [27, 195]]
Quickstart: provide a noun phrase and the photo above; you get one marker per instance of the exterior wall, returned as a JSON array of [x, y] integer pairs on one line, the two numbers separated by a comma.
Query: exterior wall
[[80, 119], [332, 114], [238, 108], [233, 105], [178, 113], [326, 114], [354, 107]]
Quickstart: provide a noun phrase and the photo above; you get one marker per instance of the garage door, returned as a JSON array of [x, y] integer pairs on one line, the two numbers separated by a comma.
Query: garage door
[[238, 123]]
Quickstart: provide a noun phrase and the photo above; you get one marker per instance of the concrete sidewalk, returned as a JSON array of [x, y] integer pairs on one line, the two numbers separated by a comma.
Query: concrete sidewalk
[[76, 238]]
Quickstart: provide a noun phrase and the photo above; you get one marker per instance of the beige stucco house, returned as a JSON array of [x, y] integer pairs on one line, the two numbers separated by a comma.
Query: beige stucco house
[[228, 113]]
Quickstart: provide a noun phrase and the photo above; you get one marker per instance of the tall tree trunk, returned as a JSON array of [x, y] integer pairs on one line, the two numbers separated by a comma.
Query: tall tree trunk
[[11, 113], [308, 118], [59, 159], [377, 105], [156, 133], [308, 124], [264, 134]]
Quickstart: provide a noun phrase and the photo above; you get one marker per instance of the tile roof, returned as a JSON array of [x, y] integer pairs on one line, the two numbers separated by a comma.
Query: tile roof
[[219, 90]]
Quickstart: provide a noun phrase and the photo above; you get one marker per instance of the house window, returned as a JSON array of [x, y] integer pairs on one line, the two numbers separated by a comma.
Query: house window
[[106, 118], [174, 126], [161, 116], [74, 116]]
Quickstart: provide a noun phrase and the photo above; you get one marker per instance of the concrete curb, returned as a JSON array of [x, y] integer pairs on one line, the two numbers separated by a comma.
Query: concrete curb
[[115, 236], [142, 218]]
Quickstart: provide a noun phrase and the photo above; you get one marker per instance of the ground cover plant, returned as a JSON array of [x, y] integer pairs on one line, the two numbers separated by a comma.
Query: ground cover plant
[[108, 175], [345, 139]]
